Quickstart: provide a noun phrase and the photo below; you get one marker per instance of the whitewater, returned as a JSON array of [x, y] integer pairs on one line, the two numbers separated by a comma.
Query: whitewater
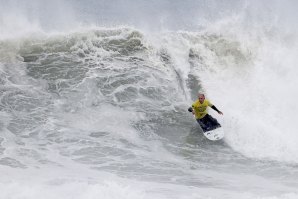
[[94, 99]]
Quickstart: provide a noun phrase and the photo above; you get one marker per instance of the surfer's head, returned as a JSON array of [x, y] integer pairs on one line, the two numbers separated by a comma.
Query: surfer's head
[[201, 97]]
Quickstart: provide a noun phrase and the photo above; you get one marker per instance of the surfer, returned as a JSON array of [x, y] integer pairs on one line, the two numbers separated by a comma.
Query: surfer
[[199, 109]]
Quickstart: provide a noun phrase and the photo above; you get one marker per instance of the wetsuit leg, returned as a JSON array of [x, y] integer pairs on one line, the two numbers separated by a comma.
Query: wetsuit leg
[[208, 123], [206, 120], [202, 124], [213, 123]]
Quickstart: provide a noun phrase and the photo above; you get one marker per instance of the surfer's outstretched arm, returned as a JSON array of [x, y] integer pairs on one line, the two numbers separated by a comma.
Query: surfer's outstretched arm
[[214, 108]]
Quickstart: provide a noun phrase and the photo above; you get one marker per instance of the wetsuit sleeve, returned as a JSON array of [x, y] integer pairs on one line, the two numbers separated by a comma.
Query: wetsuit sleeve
[[190, 109], [214, 108]]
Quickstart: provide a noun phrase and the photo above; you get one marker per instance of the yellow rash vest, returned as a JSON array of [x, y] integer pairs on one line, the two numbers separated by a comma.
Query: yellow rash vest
[[201, 109]]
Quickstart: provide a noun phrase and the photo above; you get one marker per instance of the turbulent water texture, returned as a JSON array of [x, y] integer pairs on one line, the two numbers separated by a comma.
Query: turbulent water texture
[[101, 111]]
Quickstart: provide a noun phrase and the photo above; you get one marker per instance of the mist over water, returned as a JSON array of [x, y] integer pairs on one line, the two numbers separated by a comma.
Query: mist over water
[[94, 99]]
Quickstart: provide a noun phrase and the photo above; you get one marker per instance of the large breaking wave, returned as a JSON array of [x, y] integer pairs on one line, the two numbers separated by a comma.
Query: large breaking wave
[[124, 68]]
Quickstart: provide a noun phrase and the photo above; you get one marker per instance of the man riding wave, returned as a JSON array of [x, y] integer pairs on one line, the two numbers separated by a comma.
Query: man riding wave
[[199, 109]]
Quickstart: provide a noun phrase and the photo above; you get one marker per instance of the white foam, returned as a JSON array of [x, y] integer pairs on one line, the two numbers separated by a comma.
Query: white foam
[[247, 92], [49, 185]]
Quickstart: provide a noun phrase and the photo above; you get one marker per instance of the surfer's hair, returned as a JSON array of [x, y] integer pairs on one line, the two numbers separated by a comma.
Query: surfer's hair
[[201, 94]]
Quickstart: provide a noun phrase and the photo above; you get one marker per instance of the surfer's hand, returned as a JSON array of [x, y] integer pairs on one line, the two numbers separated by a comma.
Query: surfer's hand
[[219, 112]]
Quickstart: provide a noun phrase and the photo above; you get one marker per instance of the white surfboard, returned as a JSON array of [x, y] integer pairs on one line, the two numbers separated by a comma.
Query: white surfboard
[[215, 134]]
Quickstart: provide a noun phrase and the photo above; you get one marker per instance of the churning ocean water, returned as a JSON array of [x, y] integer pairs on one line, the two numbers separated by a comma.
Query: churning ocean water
[[94, 98]]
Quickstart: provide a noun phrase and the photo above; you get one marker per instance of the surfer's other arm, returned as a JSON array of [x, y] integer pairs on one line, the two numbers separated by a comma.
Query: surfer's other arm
[[190, 109]]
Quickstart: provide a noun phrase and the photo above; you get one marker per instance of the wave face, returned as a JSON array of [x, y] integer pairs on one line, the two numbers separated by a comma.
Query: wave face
[[94, 99]]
